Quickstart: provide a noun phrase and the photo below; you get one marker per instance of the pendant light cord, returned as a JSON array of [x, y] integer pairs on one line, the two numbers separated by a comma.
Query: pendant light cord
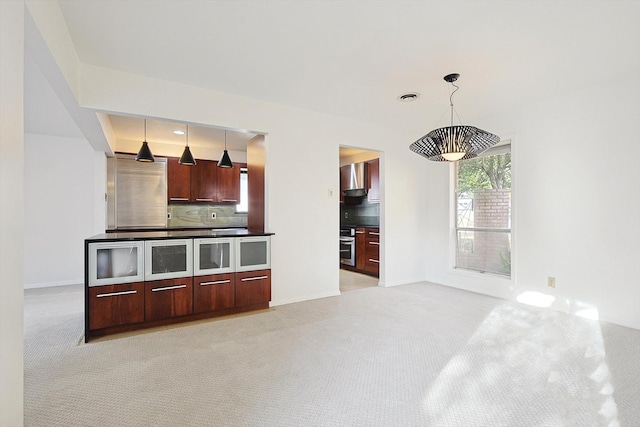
[[145, 130], [187, 134], [451, 101]]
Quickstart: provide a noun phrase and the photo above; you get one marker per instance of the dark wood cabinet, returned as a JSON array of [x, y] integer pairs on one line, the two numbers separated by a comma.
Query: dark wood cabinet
[[115, 305], [253, 287], [344, 180], [372, 251], [373, 181], [204, 181], [178, 181], [168, 298], [361, 240], [213, 292], [228, 184]]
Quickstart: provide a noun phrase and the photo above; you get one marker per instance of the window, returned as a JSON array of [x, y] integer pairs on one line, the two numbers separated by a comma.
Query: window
[[483, 212], [243, 206]]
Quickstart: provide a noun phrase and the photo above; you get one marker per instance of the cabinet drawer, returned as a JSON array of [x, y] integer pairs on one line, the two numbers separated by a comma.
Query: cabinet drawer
[[115, 305], [168, 298], [213, 292], [253, 287], [372, 265], [373, 234]]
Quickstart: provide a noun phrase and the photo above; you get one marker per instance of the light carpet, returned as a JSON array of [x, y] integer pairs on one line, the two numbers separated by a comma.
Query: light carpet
[[413, 355]]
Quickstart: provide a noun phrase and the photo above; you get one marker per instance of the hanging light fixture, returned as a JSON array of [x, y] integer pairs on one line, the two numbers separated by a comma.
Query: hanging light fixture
[[453, 143], [187, 158], [225, 161], [144, 155]]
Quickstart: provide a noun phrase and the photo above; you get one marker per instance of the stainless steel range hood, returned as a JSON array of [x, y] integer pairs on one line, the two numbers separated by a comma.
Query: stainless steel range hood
[[357, 177]]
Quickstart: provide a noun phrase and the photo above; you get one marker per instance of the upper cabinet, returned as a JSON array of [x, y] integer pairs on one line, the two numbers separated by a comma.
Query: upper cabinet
[[204, 182], [178, 181], [228, 183], [373, 179]]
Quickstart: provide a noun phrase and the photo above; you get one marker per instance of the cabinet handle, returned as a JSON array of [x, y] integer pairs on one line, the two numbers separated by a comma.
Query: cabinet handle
[[374, 260], [113, 294], [359, 232], [229, 200], [217, 282], [178, 198], [204, 200], [373, 233], [168, 288], [254, 278], [374, 243]]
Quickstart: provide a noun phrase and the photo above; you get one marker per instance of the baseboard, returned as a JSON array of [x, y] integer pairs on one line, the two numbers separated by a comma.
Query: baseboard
[[52, 284], [304, 298]]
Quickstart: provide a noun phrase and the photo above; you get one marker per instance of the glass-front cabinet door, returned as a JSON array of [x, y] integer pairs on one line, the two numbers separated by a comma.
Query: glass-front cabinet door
[[253, 253], [213, 256], [168, 259], [112, 263]]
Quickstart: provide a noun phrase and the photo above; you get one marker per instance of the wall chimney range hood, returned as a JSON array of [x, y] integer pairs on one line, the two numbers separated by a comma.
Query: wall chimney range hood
[[356, 181]]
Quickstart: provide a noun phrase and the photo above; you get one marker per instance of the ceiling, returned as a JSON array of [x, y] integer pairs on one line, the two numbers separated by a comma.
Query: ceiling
[[354, 58]]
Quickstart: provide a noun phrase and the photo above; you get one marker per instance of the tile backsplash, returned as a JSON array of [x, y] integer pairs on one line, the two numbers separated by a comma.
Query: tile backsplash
[[363, 214], [202, 215]]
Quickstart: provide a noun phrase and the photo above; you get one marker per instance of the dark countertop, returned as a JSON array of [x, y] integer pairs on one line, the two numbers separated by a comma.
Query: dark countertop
[[183, 234], [144, 230], [360, 225]]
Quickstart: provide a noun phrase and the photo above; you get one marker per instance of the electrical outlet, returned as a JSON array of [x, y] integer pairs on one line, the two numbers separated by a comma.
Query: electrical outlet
[[551, 282], [168, 215], [346, 215], [213, 215]]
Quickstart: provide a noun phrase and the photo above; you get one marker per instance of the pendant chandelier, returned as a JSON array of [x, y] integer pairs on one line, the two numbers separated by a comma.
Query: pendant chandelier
[[144, 155], [225, 160], [187, 158], [453, 143]]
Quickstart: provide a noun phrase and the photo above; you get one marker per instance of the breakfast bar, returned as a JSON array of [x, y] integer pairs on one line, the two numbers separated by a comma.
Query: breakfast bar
[[143, 279]]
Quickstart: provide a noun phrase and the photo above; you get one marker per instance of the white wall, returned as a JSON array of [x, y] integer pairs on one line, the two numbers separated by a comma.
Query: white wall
[[302, 167], [64, 204], [11, 211], [576, 204]]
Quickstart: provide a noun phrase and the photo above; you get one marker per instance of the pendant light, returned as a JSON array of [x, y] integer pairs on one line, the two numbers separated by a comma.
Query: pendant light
[[453, 143], [144, 155], [187, 158], [225, 161]]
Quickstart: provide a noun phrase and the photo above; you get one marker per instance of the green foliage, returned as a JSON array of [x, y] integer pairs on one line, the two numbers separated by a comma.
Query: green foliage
[[490, 172]]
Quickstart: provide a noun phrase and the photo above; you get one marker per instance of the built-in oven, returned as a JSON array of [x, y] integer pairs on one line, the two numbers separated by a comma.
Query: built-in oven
[[348, 246]]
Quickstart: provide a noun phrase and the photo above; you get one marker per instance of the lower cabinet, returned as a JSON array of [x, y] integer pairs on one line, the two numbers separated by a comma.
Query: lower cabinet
[[116, 305], [213, 292], [253, 287], [168, 298], [372, 251]]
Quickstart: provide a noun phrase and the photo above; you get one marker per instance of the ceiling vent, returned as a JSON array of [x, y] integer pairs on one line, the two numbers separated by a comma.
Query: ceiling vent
[[408, 97]]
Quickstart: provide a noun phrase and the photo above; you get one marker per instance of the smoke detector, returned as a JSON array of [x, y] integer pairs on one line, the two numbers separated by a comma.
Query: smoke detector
[[408, 97]]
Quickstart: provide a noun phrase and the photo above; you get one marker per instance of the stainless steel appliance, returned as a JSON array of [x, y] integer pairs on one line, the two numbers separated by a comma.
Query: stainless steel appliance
[[136, 193], [348, 246], [357, 178]]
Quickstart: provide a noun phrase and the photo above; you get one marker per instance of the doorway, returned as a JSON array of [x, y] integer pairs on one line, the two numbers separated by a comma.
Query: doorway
[[360, 243]]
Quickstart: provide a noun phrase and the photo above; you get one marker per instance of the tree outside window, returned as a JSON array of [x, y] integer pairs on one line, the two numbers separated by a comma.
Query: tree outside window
[[483, 212]]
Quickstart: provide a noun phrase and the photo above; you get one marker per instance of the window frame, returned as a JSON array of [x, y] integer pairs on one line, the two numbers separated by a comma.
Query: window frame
[[503, 147]]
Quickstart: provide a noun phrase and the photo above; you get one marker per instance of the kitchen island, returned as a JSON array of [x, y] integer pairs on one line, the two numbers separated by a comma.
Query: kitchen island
[[142, 279]]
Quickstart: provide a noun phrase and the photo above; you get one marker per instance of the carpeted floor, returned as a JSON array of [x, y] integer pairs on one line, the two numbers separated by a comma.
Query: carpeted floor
[[413, 355]]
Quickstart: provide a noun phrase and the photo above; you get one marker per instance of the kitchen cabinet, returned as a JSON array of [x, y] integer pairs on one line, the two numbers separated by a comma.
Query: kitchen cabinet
[[168, 298], [213, 292], [204, 181], [178, 181], [344, 180], [115, 305], [373, 181], [253, 287], [361, 240], [228, 184], [372, 251]]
